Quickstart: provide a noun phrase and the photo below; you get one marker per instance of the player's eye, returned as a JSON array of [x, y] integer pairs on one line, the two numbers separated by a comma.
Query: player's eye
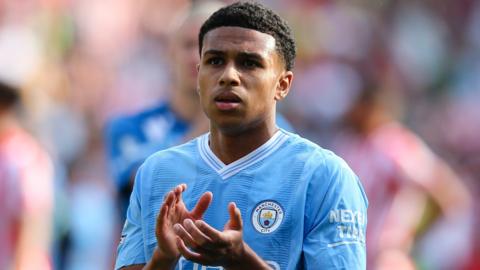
[[215, 61], [250, 63]]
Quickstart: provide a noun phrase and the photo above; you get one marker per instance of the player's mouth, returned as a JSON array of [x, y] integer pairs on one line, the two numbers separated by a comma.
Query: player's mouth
[[227, 100]]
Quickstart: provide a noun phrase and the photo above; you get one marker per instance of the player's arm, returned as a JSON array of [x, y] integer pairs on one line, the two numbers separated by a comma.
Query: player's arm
[[130, 251], [199, 242], [335, 219]]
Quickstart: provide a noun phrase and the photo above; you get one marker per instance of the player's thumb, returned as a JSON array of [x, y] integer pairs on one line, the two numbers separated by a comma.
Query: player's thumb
[[236, 222]]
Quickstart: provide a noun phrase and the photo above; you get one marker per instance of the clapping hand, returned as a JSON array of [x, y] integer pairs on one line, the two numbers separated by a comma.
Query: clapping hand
[[174, 211]]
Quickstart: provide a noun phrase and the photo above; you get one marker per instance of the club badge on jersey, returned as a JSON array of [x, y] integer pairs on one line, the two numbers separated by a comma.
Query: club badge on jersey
[[267, 216]]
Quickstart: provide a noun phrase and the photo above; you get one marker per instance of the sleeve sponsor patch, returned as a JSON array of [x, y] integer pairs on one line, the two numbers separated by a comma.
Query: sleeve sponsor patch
[[349, 225]]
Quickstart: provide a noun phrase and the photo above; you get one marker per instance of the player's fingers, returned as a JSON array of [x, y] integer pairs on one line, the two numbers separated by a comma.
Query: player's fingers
[[236, 222], [187, 253], [162, 216], [170, 200], [181, 232], [167, 199], [161, 213], [202, 205], [198, 236], [210, 232], [178, 190]]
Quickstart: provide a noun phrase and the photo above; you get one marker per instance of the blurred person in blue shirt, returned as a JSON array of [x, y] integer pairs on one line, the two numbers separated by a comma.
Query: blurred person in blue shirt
[[130, 139], [261, 197]]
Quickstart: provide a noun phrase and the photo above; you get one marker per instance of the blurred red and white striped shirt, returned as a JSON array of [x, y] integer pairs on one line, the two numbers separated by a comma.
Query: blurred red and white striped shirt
[[26, 202]]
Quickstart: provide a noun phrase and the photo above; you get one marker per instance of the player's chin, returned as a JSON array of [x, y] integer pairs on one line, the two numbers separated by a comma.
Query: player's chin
[[231, 125]]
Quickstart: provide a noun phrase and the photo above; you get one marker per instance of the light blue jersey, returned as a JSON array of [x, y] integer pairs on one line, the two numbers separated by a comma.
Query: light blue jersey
[[131, 139], [302, 206]]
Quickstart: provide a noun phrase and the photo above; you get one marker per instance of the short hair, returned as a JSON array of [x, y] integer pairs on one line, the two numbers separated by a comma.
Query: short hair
[[254, 16], [9, 95]]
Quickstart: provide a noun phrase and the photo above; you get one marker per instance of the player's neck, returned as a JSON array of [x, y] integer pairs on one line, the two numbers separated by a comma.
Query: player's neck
[[230, 147]]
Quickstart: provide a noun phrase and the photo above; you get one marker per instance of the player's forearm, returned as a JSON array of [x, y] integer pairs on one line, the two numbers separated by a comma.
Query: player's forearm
[[160, 262], [249, 260]]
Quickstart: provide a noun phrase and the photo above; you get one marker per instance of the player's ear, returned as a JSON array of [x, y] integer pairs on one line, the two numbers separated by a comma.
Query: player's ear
[[283, 85]]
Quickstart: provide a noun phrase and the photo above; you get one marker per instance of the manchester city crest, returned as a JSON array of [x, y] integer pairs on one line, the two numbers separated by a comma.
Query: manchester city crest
[[267, 216]]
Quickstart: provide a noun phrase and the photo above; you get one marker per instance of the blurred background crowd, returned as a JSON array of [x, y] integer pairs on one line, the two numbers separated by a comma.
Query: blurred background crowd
[[392, 86]]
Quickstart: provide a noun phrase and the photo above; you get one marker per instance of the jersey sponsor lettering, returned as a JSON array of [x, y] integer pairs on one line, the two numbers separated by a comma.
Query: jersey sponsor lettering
[[349, 225], [347, 216]]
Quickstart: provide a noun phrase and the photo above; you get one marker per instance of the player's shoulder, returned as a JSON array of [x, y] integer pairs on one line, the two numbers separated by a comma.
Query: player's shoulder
[[175, 155], [177, 160], [315, 157], [328, 171], [304, 146]]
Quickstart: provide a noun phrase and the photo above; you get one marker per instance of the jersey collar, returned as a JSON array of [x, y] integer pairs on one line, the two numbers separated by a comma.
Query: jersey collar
[[226, 171]]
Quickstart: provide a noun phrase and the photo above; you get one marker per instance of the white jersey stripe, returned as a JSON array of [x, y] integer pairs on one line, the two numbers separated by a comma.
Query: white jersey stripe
[[232, 171], [204, 154], [226, 171]]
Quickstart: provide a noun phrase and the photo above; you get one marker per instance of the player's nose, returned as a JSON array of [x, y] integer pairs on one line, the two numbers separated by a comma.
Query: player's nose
[[229, 76]]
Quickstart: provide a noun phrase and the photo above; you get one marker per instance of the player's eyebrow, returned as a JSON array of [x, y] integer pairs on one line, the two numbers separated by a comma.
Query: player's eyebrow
[[252, 55], [213, 52], [245, 54]]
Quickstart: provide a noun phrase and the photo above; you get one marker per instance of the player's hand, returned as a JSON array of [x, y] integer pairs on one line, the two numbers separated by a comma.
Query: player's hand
[[174, 211], [199, 242]]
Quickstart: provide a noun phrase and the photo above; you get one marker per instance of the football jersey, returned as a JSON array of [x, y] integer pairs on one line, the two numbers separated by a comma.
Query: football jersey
[[131, 139], [302, 207]]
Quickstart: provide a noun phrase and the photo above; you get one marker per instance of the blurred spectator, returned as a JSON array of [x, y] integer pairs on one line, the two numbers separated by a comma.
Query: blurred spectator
[[130, 139], [400, 174], [26, 192], [92, 211]]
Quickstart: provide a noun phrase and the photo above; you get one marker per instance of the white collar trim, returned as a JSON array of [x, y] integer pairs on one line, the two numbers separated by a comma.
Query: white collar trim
[[226, 171]]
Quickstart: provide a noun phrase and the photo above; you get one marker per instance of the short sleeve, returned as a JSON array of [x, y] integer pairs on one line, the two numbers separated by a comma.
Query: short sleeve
[[130, 250], [336, 219]]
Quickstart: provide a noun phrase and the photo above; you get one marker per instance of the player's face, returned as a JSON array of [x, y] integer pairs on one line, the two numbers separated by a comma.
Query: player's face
[[241, 76]]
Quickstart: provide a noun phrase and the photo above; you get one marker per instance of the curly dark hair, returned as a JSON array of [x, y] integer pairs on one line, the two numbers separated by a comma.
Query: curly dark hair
[[254, 16]]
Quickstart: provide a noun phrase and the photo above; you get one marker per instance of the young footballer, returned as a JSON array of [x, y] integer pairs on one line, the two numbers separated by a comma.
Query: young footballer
[[246, 195]]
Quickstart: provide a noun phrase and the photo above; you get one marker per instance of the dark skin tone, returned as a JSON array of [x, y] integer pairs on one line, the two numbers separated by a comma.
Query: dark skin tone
[[241, 77], [245, 64]]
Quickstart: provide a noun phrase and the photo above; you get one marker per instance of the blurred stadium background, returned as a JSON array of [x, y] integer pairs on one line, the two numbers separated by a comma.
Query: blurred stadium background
[[81, 62]]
